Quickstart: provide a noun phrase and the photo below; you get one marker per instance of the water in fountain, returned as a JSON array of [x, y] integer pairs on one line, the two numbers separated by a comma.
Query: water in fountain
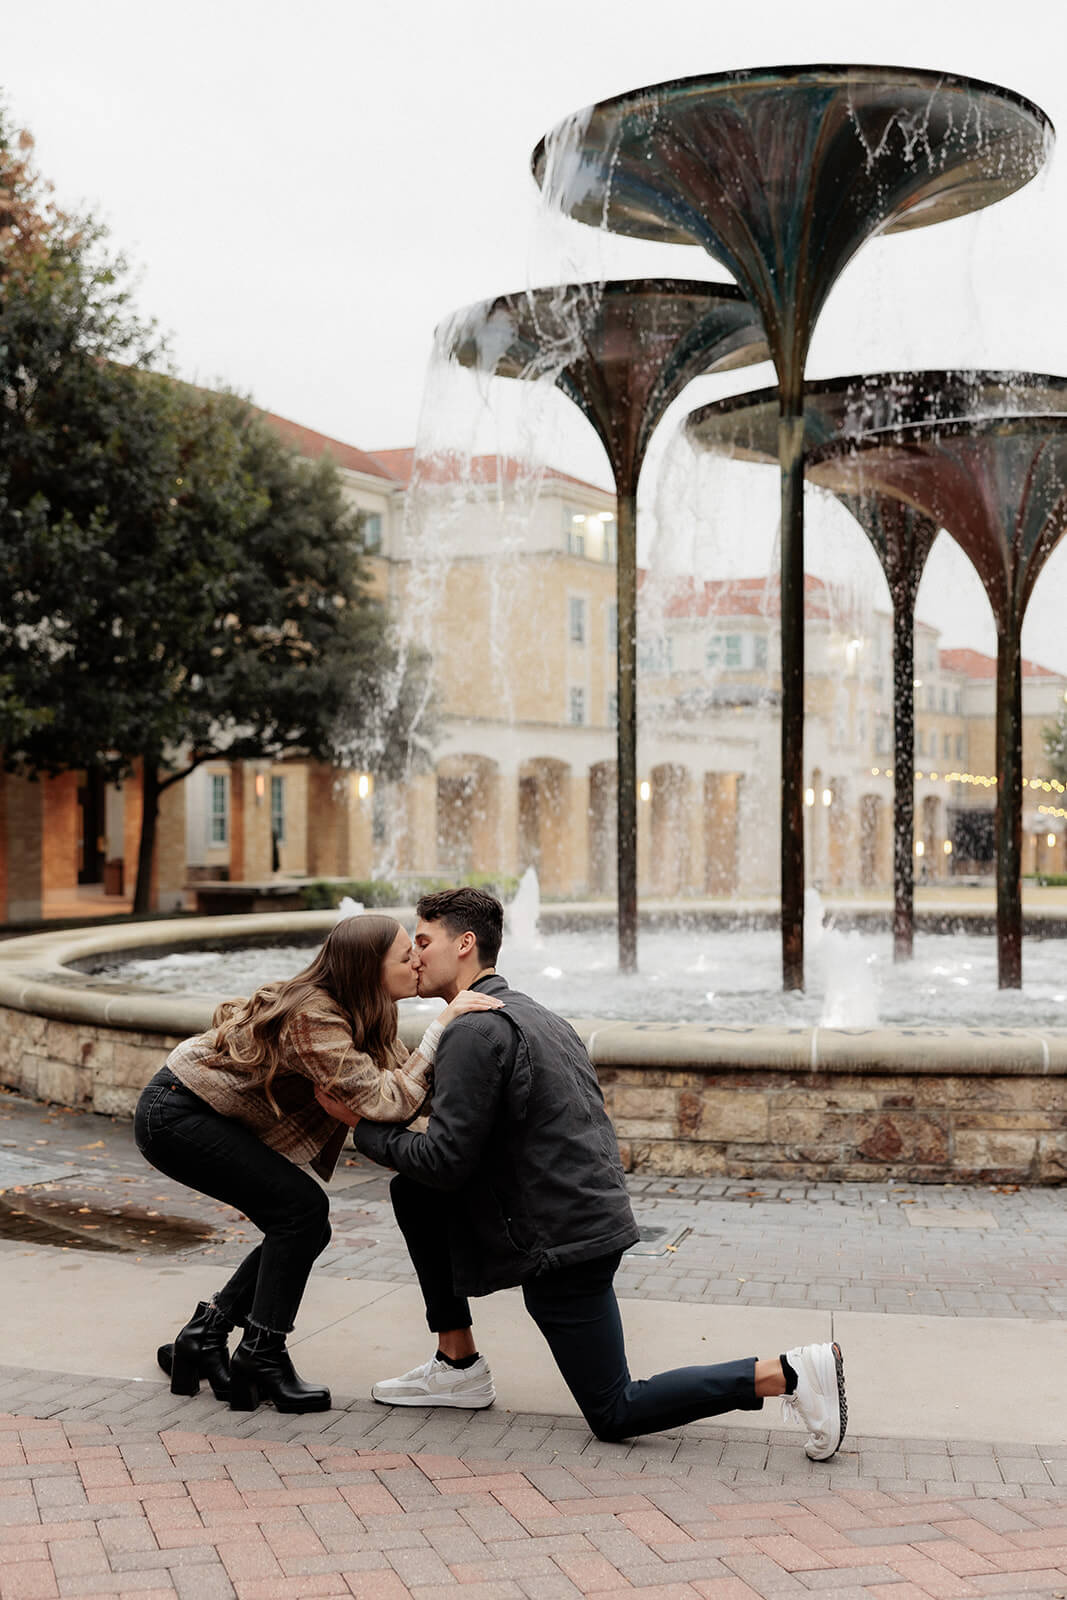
[[524, 912], [721, 977]]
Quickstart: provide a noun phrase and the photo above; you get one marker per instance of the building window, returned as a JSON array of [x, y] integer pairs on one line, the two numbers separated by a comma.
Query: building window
[[726, 650], [218, 809], [277, 809], [577, 706], [372, 533], [759, 650], [574, 531], [576, 619], [920, 743], [959, 747], [613, 707], [946, 746], [611, 625], [611, 544], [656, 656]]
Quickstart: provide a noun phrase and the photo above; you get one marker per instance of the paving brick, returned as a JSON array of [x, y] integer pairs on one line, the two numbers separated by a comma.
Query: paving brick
[[28, 1580], [74, 1557]]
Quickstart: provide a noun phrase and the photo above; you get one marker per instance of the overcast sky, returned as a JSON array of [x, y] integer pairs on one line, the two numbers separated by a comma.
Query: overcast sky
[[307, 191]]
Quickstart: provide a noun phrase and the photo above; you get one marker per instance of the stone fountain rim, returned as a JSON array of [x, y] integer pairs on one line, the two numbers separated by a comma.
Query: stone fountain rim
[[36, 976]]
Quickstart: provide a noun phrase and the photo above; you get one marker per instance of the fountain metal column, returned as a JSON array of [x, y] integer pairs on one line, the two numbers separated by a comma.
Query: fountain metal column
[[622, 351], [745, 427], [782, 174], [998, 485]]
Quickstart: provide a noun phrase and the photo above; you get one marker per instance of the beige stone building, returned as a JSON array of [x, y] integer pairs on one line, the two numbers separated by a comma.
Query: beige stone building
[[509, 582]]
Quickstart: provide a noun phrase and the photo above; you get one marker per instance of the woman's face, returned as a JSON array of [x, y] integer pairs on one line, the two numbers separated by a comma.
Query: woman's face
[[398, 976]]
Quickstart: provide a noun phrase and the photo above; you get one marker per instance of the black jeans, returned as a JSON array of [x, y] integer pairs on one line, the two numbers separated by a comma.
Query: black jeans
[[576, 1310], [183, 1137]]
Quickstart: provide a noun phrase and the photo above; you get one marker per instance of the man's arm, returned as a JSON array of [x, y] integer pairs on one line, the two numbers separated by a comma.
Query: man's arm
[[468, 1081]]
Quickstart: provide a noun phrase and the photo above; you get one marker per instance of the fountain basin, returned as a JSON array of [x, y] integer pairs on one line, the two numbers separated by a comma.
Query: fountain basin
[[913, 1102]]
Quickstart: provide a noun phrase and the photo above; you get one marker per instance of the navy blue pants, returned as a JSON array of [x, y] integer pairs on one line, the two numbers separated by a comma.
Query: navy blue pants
[[576, 1310]]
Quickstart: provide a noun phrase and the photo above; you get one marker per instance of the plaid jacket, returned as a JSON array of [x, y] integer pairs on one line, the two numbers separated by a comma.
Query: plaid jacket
[[317, 1051]]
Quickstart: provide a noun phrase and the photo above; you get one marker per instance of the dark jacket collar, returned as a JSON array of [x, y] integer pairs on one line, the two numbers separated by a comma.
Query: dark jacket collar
[[492, 983]]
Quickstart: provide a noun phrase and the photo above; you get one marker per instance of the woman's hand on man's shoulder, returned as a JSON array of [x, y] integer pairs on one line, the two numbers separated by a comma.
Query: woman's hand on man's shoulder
[[468, 1000]]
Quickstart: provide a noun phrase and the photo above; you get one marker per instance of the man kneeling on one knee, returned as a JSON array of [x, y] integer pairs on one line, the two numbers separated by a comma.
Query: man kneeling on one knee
[[517, 1181]]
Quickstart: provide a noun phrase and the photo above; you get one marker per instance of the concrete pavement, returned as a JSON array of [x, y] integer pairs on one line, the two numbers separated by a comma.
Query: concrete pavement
[[952, 1479]]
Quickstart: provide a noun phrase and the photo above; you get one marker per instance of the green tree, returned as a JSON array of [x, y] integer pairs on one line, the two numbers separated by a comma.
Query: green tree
[[175, 584]]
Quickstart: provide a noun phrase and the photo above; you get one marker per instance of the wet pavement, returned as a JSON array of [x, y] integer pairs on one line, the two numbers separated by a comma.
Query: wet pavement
[[942, 1250], [109, 1484]]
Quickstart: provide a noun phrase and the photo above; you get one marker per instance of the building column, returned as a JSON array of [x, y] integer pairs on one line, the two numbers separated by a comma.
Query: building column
[[359, 830], [327, 822], [168, 865], [416, 825], [506, 785], [61, 834], [576, 840], [644, 833], [21, 848], [250, 841]]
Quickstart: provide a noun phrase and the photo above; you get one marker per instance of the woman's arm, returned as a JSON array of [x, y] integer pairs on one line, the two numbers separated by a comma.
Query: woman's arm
[[352, 1080], [416, 1070]]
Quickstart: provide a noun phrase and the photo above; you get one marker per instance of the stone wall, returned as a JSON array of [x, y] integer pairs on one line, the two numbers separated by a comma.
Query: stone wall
[[919, 1128], [745, 1121], [76, 1063]]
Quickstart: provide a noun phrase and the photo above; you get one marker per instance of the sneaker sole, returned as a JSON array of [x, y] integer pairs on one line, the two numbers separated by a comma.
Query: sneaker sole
[[842, 1403], [456, 1402]]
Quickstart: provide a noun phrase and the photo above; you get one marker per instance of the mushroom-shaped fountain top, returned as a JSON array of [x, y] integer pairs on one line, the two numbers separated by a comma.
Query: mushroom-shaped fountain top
[[781, 173]]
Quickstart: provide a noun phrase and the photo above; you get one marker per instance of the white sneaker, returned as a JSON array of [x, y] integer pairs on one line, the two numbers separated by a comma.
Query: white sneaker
[[436, 1383], [819, 1402]]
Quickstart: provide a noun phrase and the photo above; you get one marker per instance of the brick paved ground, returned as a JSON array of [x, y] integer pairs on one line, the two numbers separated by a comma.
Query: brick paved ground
[[115, 1487], [91, 1507], [846, 1247]]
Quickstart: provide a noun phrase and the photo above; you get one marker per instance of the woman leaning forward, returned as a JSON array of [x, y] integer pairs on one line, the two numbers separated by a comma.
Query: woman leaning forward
[[233, 1114]]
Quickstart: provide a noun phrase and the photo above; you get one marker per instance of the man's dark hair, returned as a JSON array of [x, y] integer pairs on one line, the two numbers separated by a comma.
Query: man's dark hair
[[467, 911]]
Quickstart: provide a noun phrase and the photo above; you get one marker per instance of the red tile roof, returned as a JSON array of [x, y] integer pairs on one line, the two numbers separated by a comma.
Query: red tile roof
[[975, 665], [313, 445], [447, 467], [744, 597]]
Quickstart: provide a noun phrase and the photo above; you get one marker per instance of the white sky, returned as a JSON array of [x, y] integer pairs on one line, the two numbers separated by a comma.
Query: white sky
[[306, 191]]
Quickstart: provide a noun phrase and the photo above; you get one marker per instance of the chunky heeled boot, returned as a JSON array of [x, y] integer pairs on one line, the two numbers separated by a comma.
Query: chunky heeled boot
[[261, 1369], [198, 1352]]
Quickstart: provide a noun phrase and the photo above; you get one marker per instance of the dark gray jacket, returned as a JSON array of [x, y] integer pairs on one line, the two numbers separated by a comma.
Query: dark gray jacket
[[519, 1136]]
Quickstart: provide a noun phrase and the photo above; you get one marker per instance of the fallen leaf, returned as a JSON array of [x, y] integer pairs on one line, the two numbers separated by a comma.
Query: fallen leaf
[[97, 1144]]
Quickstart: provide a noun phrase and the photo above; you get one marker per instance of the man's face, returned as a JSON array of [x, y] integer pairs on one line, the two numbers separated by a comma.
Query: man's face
[[436, 958]]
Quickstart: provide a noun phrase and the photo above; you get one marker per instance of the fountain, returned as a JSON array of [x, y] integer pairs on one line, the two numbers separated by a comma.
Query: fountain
[[524, 912], [622, 351], [848, 409], [998, 484], [782, 174]]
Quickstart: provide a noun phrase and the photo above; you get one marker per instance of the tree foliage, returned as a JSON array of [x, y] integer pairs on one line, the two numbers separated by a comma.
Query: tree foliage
[[175, 584]]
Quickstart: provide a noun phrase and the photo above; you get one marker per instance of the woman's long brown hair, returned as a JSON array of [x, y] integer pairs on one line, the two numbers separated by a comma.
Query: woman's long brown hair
[[349, 968]]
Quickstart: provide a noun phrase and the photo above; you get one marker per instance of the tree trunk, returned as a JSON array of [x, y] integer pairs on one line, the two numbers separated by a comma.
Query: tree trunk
[[150, 789]]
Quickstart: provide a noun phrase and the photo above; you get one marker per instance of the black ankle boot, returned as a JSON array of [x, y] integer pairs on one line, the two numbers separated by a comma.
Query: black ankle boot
[[261, 1369], [198, 1352]]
